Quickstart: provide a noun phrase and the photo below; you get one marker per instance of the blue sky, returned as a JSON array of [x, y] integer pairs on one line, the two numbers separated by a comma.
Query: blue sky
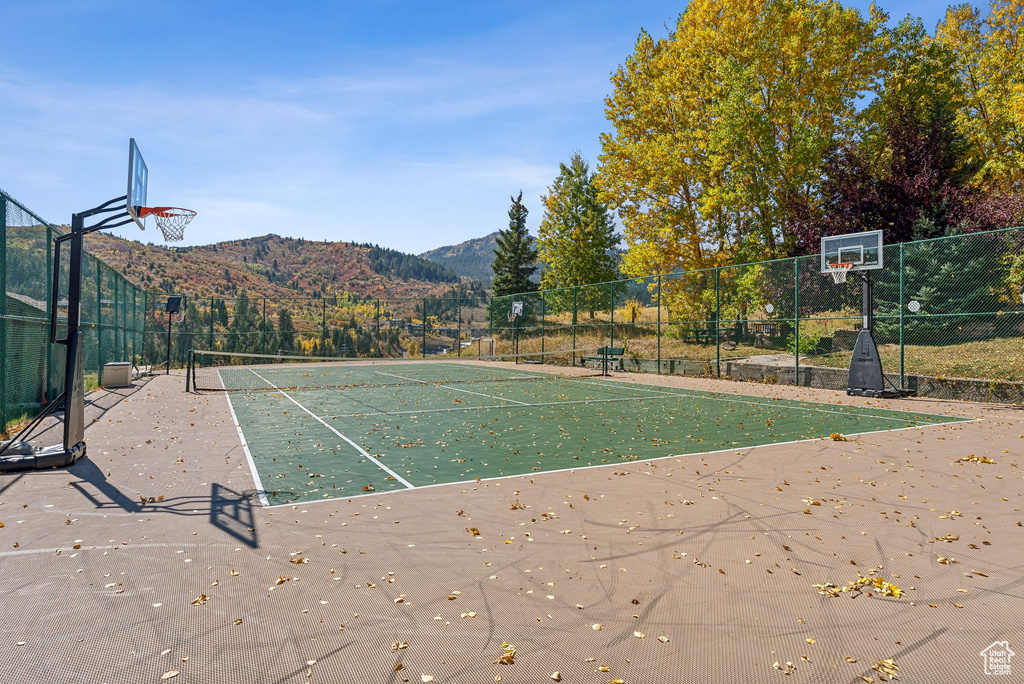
[[407, 124]]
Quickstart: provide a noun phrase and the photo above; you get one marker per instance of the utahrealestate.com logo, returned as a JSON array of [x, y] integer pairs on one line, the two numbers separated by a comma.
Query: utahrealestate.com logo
[[997, 658]]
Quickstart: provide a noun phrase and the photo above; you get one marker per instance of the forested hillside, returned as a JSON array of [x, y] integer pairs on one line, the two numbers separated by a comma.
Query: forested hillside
[[471, 258], [274, 266]]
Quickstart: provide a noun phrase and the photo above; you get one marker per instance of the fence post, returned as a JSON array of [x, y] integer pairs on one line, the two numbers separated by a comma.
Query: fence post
[[135, 326], [99, 322], [323, 327], [458, 337], [123, 305], [658, 331], [490, 326], [145, 315], [48, 382], [211, 322], [423, 351], [611, 307], [718, 322], [903, 376], [5, 389], [119, 295], [543, 329], [264, 325], [796, 318], [575, 293], [380, 352]]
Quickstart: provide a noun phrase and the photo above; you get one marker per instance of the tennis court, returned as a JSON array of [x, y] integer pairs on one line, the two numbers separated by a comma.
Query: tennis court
[[341, 429]]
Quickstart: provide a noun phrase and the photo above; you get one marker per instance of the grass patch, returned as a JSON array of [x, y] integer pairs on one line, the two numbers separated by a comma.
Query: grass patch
[[995, 359]]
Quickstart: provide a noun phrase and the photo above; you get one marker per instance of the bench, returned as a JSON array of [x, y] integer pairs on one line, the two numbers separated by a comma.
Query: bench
[[699, 335], [608, 356]]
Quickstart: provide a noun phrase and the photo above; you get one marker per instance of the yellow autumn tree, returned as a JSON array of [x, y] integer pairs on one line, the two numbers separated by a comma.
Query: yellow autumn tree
[[990, 67], [720, 127]]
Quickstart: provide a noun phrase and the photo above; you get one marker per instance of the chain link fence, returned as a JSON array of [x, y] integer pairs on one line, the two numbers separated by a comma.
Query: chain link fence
[[31, 368], [949, 320], [322, 326]]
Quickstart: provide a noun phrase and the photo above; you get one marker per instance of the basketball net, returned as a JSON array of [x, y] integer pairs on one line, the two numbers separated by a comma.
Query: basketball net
[[170, 220], [839, 270], [512, 317]]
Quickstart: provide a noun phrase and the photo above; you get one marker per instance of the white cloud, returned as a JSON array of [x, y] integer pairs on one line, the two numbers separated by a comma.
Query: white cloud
[[355, 156]]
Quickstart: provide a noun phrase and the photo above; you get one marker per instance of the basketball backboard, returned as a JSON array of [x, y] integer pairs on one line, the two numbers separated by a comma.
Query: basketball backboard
[[138, 179], [863, 250]]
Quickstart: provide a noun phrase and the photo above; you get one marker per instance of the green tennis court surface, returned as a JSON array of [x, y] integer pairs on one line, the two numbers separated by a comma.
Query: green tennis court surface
[[348, 430]]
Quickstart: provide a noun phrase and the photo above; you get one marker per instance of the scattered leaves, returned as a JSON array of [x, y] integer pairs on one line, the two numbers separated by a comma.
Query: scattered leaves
[[877, 584], [508, 657], [974, 459]]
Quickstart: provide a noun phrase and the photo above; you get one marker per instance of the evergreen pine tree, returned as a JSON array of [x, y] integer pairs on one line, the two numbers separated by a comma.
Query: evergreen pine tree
[[515, 257], [286, 330], [577, 234], [577, 237]]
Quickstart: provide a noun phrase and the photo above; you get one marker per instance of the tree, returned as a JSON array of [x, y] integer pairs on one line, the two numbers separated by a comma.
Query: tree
[[989, 62], [577, 237], [515, 258], [243, 322], [285, 330], [720, 128], [911, 170]]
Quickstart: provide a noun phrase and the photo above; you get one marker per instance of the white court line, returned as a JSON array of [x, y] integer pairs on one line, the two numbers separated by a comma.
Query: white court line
[[484, 408], [620, 464], [457, 389], [245, 447], [693, 394], [329, 427], [112, 547]]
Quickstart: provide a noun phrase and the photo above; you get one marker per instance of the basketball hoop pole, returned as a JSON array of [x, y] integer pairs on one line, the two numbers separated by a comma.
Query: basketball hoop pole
[[170, 318], [867, 307]]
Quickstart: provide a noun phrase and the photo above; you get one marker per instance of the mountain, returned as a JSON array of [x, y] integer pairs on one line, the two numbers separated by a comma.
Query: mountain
[[471, 258], [274, 266]]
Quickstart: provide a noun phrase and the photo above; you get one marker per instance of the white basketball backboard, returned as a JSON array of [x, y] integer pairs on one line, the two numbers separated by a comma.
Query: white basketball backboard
[[863, 250]]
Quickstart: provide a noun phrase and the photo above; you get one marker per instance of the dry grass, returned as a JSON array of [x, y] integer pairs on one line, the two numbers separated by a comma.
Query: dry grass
[[999, 359], [994, 359]]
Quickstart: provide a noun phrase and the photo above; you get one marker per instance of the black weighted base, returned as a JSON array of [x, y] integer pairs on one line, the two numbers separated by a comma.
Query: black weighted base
[[866, 378], [21, 456], [888, 393]]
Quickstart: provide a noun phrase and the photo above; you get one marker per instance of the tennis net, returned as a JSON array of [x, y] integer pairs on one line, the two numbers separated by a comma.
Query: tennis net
[[219, 371]]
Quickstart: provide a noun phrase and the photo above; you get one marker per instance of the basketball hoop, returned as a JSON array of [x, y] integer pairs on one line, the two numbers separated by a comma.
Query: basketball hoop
[[839, 270], [178, 317], [170, 220], [515, 312]]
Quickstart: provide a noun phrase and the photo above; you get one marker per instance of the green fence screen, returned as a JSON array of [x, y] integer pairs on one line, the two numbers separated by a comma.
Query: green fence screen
[[31, 369], [949, 320]]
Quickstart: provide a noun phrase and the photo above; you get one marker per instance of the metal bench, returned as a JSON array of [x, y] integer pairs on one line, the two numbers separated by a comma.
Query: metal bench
[[608, 356]]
